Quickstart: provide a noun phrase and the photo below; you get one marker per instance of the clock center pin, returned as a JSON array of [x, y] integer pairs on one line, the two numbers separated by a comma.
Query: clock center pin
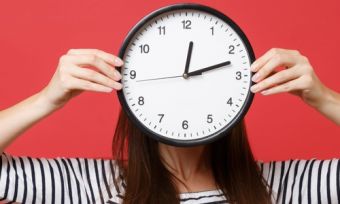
[[185, 76]]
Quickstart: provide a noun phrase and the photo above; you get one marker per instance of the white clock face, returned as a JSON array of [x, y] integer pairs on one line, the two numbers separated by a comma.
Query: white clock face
[[178, 104]]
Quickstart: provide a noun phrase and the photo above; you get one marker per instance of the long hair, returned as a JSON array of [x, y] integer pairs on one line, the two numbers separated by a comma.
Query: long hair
[[148, 181]]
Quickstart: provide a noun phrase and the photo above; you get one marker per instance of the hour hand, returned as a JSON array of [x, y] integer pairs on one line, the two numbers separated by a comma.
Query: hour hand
[[200, 71]]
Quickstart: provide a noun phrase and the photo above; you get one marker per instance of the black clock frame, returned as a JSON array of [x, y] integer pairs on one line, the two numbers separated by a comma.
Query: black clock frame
[[236, 119]]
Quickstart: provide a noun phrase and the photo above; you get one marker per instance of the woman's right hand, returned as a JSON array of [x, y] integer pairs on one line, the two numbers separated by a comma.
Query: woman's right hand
[[82, 70], [78, 70]]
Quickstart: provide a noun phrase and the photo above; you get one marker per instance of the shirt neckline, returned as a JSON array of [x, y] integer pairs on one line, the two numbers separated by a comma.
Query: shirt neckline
[[201, 192]]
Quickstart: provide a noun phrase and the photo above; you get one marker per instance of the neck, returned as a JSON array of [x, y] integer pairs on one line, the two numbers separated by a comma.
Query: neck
[[185, 162]]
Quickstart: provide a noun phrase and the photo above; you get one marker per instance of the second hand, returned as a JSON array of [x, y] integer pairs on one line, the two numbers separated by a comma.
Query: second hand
[[159, 78]]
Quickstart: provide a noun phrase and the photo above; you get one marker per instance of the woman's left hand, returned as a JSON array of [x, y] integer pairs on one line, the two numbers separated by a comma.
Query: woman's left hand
[[296, 77]]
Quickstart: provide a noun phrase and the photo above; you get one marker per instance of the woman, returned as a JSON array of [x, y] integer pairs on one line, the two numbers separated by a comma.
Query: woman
[[221, 172]]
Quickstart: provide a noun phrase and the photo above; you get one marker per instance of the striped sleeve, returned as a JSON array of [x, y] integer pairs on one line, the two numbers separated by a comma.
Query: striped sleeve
[[303, 181], [59, 180]]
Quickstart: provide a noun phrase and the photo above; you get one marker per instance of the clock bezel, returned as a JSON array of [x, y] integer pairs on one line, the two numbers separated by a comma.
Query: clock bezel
[[214, 136]]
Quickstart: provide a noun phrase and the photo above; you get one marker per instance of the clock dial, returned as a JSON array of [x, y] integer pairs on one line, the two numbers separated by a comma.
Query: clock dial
[[186, 76]]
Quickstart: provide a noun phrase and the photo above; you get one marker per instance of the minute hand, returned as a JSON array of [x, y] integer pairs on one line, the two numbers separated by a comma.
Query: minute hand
[[200, 71]]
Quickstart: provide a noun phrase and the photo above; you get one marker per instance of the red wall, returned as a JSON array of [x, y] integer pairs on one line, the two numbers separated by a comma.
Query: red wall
[[34, 35]]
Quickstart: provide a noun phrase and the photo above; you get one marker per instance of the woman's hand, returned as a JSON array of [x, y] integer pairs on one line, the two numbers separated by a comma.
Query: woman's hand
[[78, 70], [296, 77], [82, 70]]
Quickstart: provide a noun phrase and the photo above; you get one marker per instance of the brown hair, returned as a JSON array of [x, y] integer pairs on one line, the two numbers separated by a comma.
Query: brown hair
[[148, 181]]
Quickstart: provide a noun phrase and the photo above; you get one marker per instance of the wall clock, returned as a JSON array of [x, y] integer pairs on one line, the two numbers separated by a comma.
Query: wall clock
[[186, 78]]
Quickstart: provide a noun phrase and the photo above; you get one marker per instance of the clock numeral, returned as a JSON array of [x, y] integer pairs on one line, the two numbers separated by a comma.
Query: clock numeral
[[185, 124], [161, 117], [132, 74], [141, 100], [238, 75], [209, 118], [144, 48], [231, 49], [186, 24], [161, 30], [212, 30], [230, 101]]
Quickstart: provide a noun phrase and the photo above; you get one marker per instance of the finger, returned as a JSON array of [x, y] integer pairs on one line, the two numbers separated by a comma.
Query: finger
[[262, 60], [107, 57], [268, 55], [93, 76], [83, 85], [277, 78], [275, 61], [93, 60], [289, 86]]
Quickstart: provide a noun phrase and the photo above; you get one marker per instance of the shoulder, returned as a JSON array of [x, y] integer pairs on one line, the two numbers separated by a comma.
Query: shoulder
[[295, 165], [304, 178], [101, 177]]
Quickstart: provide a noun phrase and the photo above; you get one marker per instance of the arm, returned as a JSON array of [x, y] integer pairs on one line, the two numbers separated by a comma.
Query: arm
[[20, 117], [71, 78], [298, 78]]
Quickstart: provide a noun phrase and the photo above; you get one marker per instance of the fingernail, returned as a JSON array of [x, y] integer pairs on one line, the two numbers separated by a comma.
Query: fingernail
[[108, 90], [253, 66], [119, 86], [265, 92], [254, 88], [117, 74], [255, 77], [118, 61]]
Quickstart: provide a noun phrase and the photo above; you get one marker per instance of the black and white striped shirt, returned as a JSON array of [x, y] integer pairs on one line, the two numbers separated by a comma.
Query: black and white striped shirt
[[65, 180]]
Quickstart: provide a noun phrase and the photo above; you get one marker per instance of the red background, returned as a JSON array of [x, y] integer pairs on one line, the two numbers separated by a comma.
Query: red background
[[34, 34]]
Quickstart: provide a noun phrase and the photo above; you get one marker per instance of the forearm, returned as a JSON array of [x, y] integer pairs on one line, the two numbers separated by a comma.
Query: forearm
[[330, 106], [18, 118]]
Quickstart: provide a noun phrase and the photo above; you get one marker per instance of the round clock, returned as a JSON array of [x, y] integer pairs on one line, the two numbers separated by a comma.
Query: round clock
[[186, 78]]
